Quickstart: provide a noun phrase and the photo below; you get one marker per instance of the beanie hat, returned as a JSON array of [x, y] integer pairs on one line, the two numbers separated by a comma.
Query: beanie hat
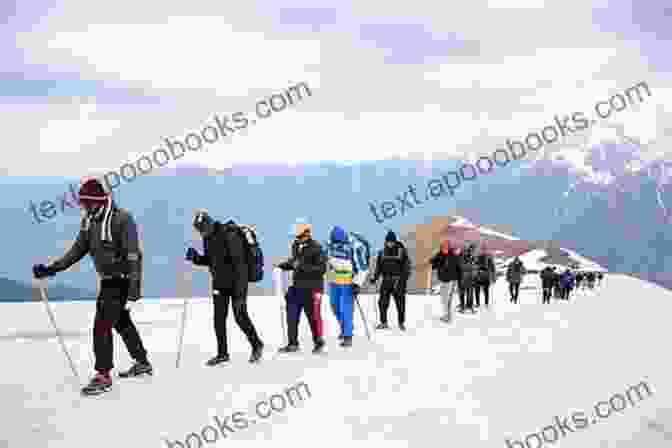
[[390, 237], [202, 220], [92, 190], [445, 246]]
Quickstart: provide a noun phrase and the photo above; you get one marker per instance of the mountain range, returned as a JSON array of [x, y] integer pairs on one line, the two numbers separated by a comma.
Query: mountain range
[[605, 201]]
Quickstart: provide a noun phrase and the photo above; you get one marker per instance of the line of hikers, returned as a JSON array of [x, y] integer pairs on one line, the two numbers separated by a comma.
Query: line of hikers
[[560, 285]]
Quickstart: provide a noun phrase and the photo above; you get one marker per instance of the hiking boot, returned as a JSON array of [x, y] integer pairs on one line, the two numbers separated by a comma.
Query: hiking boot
[[99, 384], [446, 319], [382, 327], [319, 347], [256, 353], [402, 327], [138, 369], [289, 348], [347, 341], [217, 360]]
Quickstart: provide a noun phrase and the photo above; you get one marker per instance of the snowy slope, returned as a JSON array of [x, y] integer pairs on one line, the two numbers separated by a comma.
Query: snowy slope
[[501, 374]]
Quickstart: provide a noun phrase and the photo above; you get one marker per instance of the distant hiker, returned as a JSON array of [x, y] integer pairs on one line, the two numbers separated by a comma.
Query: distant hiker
[[340, 271], [468, 270], [225, 255], [109, 234], [591, 280], [308, 261], [394, 266], [557, 291], [566, 283], [579, 279], [447, 265], [514, 275], [547, 275], [485, 276], [600, 276]]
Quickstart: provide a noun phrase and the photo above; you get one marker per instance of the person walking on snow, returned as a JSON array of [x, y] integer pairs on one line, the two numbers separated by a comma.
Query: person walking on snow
[[340, 271], [485, 276], [546, 275], [447, 265], [394, 266], [308, 262], [514, 275], [109, 234], [468, 270], [225, 256]]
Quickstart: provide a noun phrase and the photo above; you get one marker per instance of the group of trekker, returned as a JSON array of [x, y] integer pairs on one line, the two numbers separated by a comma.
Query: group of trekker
[[233, 256], [560, 285]]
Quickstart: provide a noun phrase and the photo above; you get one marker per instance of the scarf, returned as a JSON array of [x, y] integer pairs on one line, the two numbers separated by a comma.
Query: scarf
[[106, 228]]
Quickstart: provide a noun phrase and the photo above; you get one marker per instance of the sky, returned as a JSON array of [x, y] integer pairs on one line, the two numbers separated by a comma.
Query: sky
[[88, 86]]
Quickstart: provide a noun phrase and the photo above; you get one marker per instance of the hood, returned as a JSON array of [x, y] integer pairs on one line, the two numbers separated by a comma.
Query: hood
[[390, 237], [338, 234], [445, 247]]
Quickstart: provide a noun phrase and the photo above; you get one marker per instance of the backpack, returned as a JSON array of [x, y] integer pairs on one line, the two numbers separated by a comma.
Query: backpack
[[255, 256], [362, 256]]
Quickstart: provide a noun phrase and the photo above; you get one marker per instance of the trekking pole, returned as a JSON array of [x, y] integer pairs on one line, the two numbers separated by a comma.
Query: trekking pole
[[279, 292], [43, 294], [364, 321], [181, 337]]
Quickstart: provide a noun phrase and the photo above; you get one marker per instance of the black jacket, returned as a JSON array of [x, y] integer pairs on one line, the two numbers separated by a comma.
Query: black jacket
[[393, 262], [486, 269], [547, 276], [447, 266], [224, 253], [309, 264], [468, 269], [121, 255]]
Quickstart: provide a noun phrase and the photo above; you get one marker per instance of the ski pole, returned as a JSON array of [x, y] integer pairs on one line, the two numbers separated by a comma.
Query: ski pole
[[181, 338], [361, 312], [43, 293], [279, 290]]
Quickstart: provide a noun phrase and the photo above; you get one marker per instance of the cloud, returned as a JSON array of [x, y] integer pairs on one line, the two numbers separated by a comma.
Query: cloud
[[421, 78]]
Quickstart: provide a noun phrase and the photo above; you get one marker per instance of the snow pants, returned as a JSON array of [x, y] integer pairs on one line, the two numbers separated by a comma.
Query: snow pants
[[341, 300], [309, 301], [392, 286], [448, 289], [111, 313]]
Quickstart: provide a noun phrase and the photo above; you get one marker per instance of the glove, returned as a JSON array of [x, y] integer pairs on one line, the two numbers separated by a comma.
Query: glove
[[42, 271], [191, 254], [133, 291], [355, 290], [373, 280], [295, 264]]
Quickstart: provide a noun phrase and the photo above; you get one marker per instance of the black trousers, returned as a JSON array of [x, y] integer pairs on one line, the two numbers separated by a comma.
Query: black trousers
[[111, 313], [546, 293], [514, 290], [486, 293], [238, 300], [392, 286]]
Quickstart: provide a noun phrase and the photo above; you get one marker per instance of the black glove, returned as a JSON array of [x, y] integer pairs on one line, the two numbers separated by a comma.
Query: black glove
[[42, 271], [192, 254], [355, 289], [373, 280], [134, 291]]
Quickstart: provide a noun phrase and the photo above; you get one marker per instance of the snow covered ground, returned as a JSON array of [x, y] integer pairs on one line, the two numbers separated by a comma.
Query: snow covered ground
[[501, 374]]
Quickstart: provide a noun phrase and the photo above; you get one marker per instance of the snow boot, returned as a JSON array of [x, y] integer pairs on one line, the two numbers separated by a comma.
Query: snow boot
[[138, 369], [217, 360], [99, 384], [256, 353], [347, 341], [319, 347], [289, 348], [382, 327]]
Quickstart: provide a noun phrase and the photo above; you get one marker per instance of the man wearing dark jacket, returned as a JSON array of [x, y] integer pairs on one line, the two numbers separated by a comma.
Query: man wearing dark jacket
[[309, 264], [109, 234], [447, 266], [514, 275], [547, 276], [468, 269], [394, 266], [225, 255], [485, 276]]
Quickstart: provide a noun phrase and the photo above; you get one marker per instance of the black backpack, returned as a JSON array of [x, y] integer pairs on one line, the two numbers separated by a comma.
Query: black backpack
[[255, 256]]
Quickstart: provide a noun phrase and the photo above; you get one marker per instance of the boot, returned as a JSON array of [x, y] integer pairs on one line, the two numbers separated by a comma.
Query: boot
[[99, 384], [402, 327], [256, 353], [382, 326], [289, 348], [319, 347], [347, 341], [138, 369], [217, 360]]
